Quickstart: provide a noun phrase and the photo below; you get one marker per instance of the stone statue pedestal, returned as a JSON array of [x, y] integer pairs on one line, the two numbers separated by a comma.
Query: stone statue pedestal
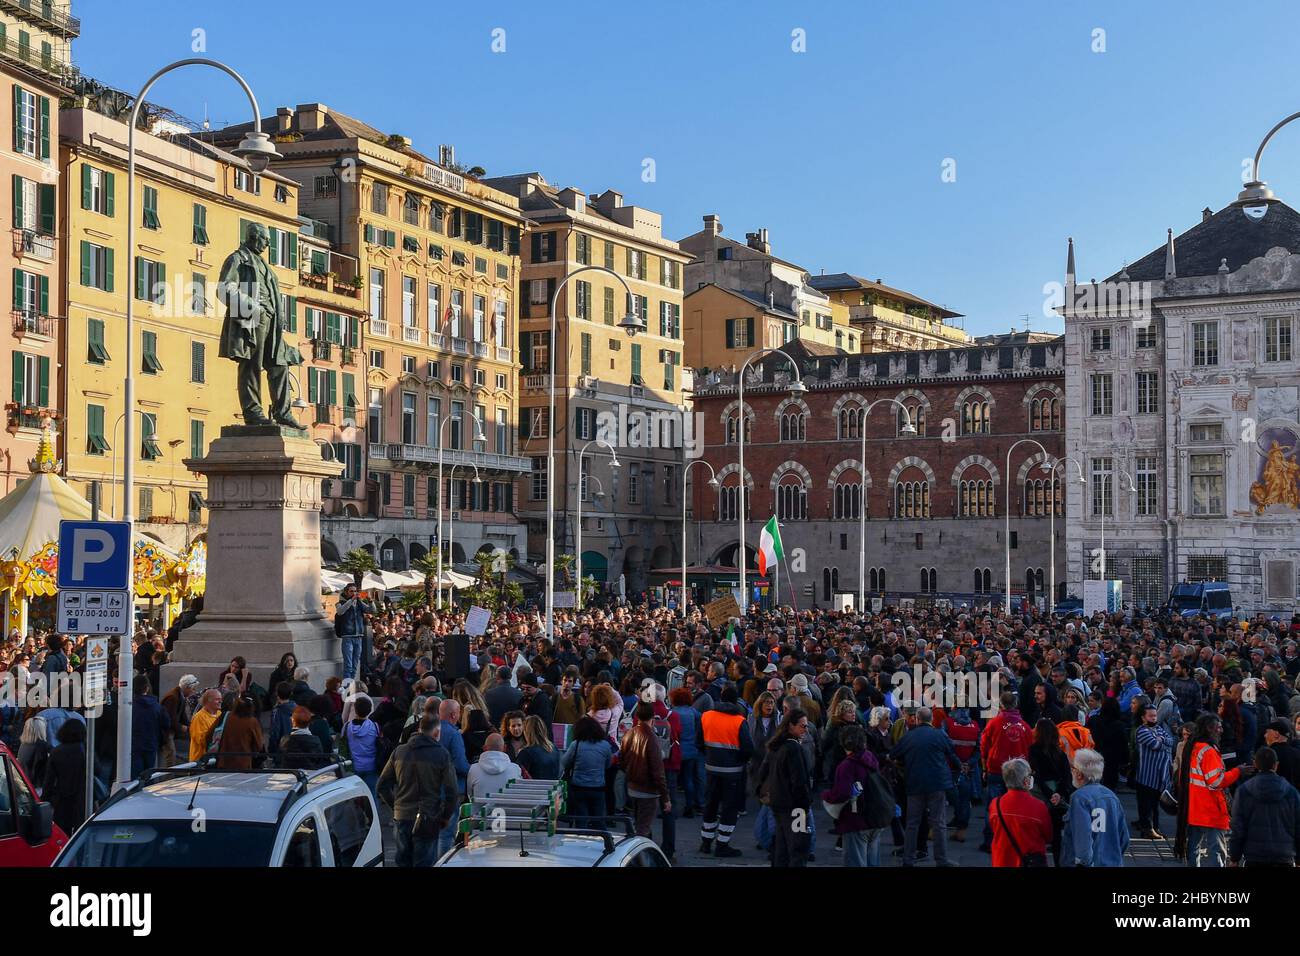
[[263, 596]]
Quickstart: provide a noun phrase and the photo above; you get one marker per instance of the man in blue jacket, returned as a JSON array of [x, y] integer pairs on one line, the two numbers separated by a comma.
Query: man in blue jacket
[[350, 627], [929, 764], [1096, 830], [451, 739], [148, 724]]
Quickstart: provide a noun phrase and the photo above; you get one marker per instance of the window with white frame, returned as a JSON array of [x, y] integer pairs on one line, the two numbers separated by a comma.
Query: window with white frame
[[1205, 343], [1147, 490], [1206, 473], [1277, 338], [1102, 393], [1100, 341], [791, 499], [1148, 393], [1103, 492]]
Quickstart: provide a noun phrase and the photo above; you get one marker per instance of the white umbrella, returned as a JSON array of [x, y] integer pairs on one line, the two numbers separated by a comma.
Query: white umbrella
[[411, 579], [454, 579], [334, 581], [381, 581]]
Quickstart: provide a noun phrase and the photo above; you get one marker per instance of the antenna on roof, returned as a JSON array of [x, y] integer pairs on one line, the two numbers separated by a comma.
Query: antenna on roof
[[207, 123]]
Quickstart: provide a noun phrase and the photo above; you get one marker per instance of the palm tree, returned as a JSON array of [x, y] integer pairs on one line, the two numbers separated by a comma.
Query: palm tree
[[427, 564], [358, 562]]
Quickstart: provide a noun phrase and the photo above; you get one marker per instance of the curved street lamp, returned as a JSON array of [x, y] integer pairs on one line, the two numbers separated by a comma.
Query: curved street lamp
[[1006, 537], [1255, 199], [908, 429], [713, 483], [479, 435], [631, 324], [582, 457], [258, 151], [797, 387]]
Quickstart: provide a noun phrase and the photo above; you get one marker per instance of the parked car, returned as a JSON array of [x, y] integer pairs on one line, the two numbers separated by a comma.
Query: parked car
[[196, 816], [28, 834], [567, 847]]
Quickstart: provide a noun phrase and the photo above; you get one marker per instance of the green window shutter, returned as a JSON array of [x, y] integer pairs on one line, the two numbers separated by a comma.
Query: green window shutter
[[110, 193], [47, 201], [141, 290], [354, 331], [312, 390], [749, 332], [731, 333], [586, 353], [87, 193], [19, 284], [108, 270], [18, 117], [349, 390], [292, 317], [293, 251], [196, 438], [18, 202], [333, 382], [85, 262], [43, 392], [45, 127], [370, 233], [45, 295], [636, 361], [18, 377], [275, 246]]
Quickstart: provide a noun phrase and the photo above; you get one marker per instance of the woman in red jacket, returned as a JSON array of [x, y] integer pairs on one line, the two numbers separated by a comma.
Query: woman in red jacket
[[1021, 825]]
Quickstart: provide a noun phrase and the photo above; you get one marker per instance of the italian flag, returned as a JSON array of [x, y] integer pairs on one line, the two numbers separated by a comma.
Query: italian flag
[[769, 546]]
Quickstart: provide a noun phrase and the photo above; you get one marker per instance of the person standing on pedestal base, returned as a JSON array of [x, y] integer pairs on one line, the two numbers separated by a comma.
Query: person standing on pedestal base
[[253, 332]]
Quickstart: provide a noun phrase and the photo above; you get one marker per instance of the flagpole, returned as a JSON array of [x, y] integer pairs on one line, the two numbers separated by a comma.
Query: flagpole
[[793, 603]]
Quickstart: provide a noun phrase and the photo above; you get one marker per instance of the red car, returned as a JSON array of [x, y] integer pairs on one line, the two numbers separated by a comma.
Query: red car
[[28, 836]]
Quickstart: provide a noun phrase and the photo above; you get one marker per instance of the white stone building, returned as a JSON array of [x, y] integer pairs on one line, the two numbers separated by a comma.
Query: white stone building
[[1183, 395]]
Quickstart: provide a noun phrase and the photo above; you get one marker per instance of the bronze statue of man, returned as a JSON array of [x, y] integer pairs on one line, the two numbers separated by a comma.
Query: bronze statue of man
[[253, 332]]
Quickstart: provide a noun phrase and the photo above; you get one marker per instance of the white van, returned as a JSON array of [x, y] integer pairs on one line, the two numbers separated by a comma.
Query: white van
[[196, 816]]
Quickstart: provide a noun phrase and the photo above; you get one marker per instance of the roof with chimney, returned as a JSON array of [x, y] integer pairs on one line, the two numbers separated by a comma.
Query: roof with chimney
[[757, 301], [333, 125], [844, 281], [1228, 234]]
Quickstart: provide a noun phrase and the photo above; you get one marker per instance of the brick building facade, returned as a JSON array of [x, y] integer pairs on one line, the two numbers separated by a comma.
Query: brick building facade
[[935, 515]]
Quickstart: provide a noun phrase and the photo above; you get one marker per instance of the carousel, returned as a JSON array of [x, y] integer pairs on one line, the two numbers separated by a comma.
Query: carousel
[[29, 549]]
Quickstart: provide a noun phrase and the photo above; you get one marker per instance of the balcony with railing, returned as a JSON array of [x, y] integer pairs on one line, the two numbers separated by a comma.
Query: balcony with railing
[[330, 271], [460, 346], [379, 327], [480, 349], [30, 322], [322, 350], [45, 15], [37, 60], [437, 340], [504, 354], [324, 414], [538, 382], [428, 454], [34, 243], [412, 334], [347, 356], [27, 416]]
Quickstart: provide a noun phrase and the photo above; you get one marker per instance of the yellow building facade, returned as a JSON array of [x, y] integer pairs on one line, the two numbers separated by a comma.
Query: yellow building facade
[[437, 256], [192, 203]]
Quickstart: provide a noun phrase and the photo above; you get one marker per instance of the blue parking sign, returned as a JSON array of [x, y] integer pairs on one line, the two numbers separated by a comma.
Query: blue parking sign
[[94, 555]]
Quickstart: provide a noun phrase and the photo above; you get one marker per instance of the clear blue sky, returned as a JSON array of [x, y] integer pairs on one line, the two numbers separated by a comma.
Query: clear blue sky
[[838, 151]]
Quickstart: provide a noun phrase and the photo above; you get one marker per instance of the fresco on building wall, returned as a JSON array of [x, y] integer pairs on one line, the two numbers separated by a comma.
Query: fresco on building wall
[[1278, 479]]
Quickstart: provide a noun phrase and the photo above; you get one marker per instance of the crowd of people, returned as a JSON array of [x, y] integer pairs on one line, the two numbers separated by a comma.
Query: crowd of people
[[784, 719]]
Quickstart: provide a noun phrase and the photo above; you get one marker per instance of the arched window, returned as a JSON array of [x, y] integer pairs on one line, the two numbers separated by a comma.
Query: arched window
[[979, 581], [1045, 414], [975, 419], [835, 579], [791, 500], [934, 580], [988, 581], [848, 500], [1029, 583], [1056, 415], [729, 502], [882, 580], [826, 584], [925, 580], [849, 424], [917, 413], [794, 426], [975, 498], [912, 499], [873, 582], [733, 426]]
